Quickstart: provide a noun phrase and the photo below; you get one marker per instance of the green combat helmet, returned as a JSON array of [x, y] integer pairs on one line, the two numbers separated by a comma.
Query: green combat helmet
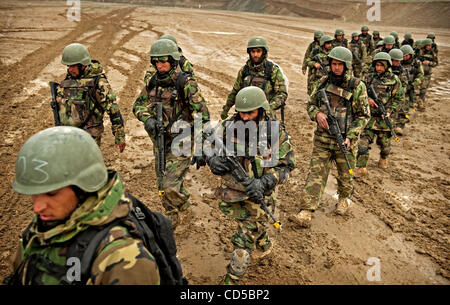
[[324, 39], [342, 54], [389, 39], [164, 47], [251, 98], [382, 56], [339, 32], [427, 42], [431, 36], [407, 49], [318, 33], [396, 54], [257, 42], [376, 32], [364, 28], [58, 157], [380, 43], [408, 36], [355, 34], [75, 53], [394, 34], [170, 37]]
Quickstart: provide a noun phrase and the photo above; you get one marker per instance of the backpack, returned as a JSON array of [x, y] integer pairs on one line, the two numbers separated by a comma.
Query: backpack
[[154, 229]]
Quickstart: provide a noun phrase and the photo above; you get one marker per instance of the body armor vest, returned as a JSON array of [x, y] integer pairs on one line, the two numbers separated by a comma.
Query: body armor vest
[[383, 88]]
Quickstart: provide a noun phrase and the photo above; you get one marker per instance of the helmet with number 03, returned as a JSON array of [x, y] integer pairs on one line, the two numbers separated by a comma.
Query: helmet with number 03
[[58, 157]]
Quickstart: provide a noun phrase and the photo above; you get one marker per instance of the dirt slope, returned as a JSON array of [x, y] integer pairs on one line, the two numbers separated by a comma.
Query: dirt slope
[[400, 215]]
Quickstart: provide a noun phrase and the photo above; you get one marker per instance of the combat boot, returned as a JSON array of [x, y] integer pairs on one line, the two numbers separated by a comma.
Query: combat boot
[[383, 163], [361, 171], [342, 206], [257, 254], [398, 131], [174, 216], [303, 219]]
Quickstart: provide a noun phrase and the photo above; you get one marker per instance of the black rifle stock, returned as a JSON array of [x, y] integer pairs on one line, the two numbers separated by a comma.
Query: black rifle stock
[[372, 94], [240, 175], [334, 128], [160, 142], [54, 103]]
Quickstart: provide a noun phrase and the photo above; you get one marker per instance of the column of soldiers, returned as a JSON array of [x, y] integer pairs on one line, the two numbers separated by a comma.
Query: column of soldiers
[[72, 191], [365, 89]]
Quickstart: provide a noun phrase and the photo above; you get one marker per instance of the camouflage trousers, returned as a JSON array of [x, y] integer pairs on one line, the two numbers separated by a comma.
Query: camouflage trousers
[[400, 118], [176, 196], [420, 99], [96, 133], [324, 152], [367, 138]]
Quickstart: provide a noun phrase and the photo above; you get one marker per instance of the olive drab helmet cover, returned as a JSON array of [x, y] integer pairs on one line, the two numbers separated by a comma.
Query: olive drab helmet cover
[[251, 98], [75, 53], [396, 54], [170, 37], [407, 49], [58, 157], [318, 33], [382, 56], [257, 42], [324, 39], [164, 47], [342, 54], [389, 39]]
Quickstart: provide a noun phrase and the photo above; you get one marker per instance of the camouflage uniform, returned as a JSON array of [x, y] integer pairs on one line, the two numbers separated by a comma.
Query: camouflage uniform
[[175, 196], [375, 41], [416, 78], [78, 97], [388, 88], [358, 49], [184, 63], [340, 43], [368, 42], [252, 220], [121, 257], [325, 147], [313, 47], [399, 116], [427, 69], [408, 42], [275, 89], [320, 55]]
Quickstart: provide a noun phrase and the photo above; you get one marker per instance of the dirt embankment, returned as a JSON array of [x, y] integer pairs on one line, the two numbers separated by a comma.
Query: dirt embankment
[[399, 216]]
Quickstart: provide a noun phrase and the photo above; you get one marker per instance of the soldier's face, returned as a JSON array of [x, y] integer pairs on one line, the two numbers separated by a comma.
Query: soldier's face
[[388, 46], [428, 47], [55, 205], [379, 67], [249, 116], [339, 37], [395, 62], [337, 67], [74, 70], [162, 66], [376, 35], [364, 32], [355, 38], [327, 45], [256, 54], [406, 57]]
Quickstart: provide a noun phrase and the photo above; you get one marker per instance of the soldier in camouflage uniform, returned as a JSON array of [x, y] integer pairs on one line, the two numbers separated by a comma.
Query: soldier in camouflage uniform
[[239, 200], [416, 76], [400, 118], [184, 104], [358, 49], [70, 195], [397, 41], [388, 44], [253, 73], [429, 61], [434, 46], [376, 37], [348, 101], [313, 46], [408, 40], [318, 62], [339, 40], [184, 63], [367, 39], [389, 89], [85, 95]]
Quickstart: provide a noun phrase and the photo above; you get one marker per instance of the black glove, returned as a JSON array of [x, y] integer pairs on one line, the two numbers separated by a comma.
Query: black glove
[[200, 160], [219, 165], [255, 188], [150, 126]]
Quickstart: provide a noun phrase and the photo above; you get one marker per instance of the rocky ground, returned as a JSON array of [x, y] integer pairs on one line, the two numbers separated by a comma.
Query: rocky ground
[[399, 215]]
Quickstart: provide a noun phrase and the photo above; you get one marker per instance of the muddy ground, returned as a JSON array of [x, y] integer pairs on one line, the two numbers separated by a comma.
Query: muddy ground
[[399, 215]]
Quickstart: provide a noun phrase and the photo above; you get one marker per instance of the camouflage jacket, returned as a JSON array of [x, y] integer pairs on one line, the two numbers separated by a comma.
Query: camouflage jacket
[[431, 57], [275, 89], [375, 41], [318, 56], [310, 50], [121, 257], [77, 98], [184, 63], [276, 158], [351, 107], [358, 49], [415, 71], [434, 47], [408, 42], [193, 103], [368, 42], [340, 43], [389, 89], [370, 57]]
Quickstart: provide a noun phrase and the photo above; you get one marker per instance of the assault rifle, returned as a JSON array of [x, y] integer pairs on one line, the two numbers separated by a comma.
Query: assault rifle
[[160, 143], [54, 103], [240, 175], [372, 94], [334, 129]]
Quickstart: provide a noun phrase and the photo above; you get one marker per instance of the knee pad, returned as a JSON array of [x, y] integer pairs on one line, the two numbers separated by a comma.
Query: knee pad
[[363, 150]]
